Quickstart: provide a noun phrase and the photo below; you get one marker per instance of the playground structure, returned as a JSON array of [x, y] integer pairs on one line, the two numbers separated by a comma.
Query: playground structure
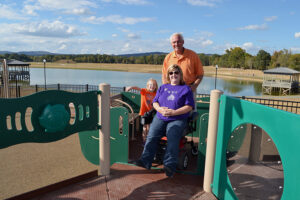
[[105, 141]]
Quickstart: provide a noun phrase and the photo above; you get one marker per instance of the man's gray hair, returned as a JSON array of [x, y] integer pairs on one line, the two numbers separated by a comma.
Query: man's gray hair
[[179, 34]]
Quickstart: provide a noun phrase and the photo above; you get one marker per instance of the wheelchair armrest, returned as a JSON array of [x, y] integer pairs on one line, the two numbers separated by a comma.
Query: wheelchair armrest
[[148, 117], [193, 117], [191, 123]]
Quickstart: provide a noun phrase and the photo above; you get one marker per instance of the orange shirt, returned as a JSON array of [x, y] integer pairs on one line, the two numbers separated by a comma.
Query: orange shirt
[[146, 101], [189, 62]]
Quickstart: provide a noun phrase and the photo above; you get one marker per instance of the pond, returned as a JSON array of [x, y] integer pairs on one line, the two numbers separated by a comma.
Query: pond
[[121, 79]]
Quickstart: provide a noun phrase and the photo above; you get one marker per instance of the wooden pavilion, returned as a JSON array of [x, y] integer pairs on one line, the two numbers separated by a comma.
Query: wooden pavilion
[[280, 79], [17, 71]]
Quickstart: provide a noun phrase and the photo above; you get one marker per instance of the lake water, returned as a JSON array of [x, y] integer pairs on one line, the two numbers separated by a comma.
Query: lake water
[[121, 79]]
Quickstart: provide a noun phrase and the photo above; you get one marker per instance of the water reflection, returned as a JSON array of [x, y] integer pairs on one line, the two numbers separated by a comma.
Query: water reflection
[[237, 86], [120, 79]]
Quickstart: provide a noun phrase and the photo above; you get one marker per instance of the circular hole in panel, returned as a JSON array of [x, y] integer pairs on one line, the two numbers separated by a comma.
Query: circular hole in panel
[[254, 164]]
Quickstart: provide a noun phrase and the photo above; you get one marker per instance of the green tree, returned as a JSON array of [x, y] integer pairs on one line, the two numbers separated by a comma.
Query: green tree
[[249, 61], [236, 58], [262, 60], [223, 61], [280, 58], [214, 59], [204, 59], [294, 61]]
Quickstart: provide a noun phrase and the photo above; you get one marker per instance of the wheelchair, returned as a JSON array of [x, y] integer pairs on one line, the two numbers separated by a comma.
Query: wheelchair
[[183, 158]]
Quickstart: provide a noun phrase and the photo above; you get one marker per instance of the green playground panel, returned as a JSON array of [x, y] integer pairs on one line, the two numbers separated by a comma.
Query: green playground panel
[[89, 140], [234, 144], [134, 100], [281, 126], [45, 116]]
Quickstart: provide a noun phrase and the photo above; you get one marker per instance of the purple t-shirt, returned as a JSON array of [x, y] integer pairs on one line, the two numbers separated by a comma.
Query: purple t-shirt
[[174, 97]]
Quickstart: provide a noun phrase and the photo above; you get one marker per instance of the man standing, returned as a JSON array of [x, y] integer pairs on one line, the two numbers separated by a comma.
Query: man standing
[[187, 59]]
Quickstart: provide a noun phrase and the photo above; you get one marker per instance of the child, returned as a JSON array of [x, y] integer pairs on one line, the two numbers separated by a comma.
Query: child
[[147, 95]]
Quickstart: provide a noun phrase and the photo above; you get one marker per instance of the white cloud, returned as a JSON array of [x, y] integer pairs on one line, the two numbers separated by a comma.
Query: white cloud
[[128, 2], [195, 43], [133, 36], [133, 2], [297, 35], [269, 19], [250, 47], [116, 19], [208, 3], [247, 45], [66, 4], [254, 27], [46, 29], [9, 13], [295, 49], [79, 11], [62, 47], [207, 43], [207, 34], [114, 35], [30, 9], [124, 30], [77, 7]]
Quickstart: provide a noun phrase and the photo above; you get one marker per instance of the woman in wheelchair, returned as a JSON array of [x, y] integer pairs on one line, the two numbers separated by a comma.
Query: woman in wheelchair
[[173, 103]]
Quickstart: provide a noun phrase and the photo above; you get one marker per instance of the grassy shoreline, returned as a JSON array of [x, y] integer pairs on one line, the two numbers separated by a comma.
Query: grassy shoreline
[[253, 75]]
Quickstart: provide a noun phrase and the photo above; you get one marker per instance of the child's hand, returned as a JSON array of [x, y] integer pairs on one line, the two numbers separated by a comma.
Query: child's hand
[[127, 89]]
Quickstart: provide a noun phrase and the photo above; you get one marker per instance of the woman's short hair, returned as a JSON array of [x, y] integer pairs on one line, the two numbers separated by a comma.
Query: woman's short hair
[[175, 67]]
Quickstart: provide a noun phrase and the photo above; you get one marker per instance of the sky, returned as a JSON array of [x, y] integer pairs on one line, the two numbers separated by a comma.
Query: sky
[[138, 26]]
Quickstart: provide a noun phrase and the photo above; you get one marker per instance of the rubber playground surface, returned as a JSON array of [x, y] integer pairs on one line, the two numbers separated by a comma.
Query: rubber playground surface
[[28, 167]]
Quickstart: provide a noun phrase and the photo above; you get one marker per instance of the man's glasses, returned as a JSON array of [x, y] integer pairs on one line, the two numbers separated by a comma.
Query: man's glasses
[[176, 72]]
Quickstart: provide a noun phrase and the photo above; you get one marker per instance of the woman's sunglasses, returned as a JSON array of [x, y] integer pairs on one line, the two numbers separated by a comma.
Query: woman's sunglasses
[[176, 72]]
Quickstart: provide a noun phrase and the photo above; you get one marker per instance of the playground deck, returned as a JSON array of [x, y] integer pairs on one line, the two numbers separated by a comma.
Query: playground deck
[[251, 181], [131, 182]]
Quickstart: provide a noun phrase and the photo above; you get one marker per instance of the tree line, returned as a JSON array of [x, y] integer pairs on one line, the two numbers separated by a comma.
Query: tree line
[[233, 58]]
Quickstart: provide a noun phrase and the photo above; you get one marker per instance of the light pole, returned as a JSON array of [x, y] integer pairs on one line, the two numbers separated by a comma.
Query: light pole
[[44, 61], [216, 76]]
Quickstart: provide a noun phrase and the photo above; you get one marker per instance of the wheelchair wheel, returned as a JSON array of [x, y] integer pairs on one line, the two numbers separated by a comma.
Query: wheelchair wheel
[[183, 160], [194, 151]]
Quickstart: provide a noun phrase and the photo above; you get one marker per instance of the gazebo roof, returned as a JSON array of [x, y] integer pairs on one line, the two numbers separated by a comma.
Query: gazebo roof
[[282, 71], [14, 62]]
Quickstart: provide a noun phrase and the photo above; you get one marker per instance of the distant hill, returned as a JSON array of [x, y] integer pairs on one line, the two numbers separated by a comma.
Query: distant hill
[[41, 53], [142, 54], [29, 53]]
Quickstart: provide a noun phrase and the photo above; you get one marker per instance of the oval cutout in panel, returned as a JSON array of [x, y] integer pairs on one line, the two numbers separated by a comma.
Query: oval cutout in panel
[[72, 113], [121, 125], [18, 121], [87, 112], [8, 122], [28, 122], [80, 112]]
